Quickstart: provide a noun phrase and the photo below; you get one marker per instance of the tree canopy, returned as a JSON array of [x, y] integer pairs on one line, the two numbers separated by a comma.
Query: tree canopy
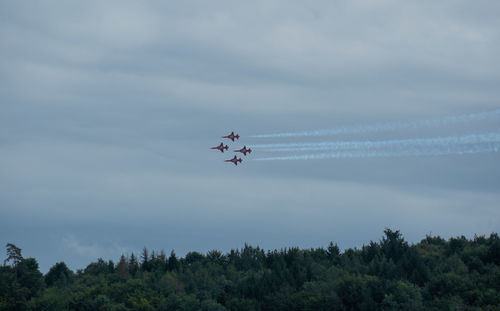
[[391, 274]]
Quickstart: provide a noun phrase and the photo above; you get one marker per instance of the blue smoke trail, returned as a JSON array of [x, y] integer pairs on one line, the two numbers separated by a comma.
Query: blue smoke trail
[[389, 126], [436, 151], [400, 143]]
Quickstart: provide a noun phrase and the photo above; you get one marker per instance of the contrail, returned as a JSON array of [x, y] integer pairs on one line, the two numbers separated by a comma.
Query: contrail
[[436, 151], [393, 144], [389, 126]]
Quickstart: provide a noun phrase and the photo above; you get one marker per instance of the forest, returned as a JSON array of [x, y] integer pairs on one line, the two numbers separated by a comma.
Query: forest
[[391, 274]]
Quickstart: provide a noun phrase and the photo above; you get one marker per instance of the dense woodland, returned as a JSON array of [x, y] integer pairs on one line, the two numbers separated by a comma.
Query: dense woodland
[[435, 274]]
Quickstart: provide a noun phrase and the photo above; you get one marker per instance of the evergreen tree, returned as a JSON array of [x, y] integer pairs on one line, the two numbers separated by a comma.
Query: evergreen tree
[[122, 266], [145, 260], [133, 265], [173, 263]]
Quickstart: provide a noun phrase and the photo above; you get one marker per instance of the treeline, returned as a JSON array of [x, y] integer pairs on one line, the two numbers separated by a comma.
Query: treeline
[[434, 274]]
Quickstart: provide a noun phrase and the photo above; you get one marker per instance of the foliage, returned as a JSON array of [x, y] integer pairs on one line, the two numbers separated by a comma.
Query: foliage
[[13, 255], [434, 274], [59, 275]]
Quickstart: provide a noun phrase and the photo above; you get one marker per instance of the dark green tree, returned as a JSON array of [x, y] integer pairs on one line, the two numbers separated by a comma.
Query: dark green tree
[[29, 277], [145, 266], [133, 265], [59, 275], [173, 263]]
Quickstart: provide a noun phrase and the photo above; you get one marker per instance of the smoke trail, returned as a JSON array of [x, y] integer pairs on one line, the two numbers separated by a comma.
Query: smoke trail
[[389, 126], [393, 144], [436, 151]]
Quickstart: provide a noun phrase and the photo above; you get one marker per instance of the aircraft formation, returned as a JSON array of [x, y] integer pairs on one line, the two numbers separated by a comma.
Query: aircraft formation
[[235, 160]]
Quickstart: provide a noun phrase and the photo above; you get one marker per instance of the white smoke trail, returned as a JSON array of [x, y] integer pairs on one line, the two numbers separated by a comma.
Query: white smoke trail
[[393, 144], [436, 151], [389, 126]]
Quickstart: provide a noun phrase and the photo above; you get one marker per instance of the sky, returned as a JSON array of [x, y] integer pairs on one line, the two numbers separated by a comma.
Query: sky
[[108, 111]]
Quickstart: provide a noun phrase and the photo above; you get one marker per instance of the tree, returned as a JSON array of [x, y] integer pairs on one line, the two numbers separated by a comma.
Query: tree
[[384, 275], [122, 266], [99, 267], [193, 257], [393, 245], [29, 276], [133, 265], [333, 253], [13, 255], [59, 275], [493, 254], [145, 260], [216, 257], [173, 262]]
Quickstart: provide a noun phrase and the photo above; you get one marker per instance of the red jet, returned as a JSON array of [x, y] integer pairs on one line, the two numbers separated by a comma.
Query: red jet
[[244, 150], [221, 147], [232, 136], [235, 160]]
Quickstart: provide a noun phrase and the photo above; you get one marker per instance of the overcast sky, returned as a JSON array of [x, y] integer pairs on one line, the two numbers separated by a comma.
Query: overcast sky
[[108, 110]]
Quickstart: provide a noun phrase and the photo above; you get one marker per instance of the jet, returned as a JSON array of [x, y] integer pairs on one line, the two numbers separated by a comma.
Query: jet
[[232, 136], [221, 147], [244, 150], [235, 160]]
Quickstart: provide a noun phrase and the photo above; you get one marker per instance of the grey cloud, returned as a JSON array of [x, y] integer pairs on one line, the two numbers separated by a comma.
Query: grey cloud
[[107, 111], [92, 251]]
